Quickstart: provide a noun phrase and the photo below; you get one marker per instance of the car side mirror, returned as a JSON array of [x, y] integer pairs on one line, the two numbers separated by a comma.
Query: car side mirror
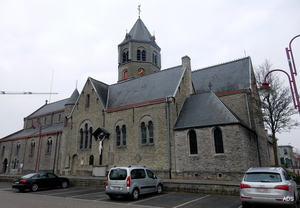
[[293, 177]]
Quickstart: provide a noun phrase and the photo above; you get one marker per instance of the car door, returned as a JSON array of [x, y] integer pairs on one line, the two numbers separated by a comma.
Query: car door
[[151, 180], [42, 180], [139, 178], [53, 180]]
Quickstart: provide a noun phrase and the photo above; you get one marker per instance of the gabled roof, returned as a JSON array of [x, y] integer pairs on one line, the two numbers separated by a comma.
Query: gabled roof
[[48, 108], [148, 88], [101, 90], [226, 77], [204, 109]]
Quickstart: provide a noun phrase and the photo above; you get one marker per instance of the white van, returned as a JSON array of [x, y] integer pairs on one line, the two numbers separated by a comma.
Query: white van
[[132, 181]]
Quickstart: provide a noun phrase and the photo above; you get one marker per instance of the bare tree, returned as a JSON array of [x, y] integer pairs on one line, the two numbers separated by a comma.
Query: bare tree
[[276, 104]]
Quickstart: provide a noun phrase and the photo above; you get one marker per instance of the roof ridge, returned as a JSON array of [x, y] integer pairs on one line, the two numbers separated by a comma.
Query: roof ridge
[[146, 75], [227, 62]]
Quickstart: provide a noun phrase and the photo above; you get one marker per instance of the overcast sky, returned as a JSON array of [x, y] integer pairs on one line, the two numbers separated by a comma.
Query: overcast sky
[[47, 45]]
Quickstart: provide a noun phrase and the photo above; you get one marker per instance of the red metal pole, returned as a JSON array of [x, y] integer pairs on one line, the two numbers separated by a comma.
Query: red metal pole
[[39, 147]]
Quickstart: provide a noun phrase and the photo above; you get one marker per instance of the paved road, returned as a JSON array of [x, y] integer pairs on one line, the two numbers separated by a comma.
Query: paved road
[[75, 197]]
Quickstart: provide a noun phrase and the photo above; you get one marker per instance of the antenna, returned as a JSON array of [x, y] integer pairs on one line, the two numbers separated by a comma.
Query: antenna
[[51, 86]]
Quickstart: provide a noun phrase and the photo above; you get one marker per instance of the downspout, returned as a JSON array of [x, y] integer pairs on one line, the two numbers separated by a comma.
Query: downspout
[[250, 123], [54, 160], [259, 159], [248, 108], [168, 100]]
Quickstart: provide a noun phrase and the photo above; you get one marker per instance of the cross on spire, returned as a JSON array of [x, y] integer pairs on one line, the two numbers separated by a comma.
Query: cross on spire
[[139, 8]]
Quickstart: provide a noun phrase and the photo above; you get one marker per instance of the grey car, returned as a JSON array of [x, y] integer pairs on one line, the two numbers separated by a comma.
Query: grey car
[[132, 181], [268, 185]]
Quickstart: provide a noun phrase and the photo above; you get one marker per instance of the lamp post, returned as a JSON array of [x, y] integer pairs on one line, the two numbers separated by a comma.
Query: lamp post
[[39, 145], [291, 77], [293, 88]]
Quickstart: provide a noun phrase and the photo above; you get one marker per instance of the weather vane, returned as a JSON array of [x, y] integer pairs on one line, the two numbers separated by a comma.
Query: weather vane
[[139, 8]]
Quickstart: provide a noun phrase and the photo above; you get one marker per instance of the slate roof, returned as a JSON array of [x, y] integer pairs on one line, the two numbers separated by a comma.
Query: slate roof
[[72, 100], [101, 90], [140, 33], [51, 107], [34, 132], [147, 88], [204, 109], [227, 77]]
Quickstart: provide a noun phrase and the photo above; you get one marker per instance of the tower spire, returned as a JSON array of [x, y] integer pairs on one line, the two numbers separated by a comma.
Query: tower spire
[[139, 8]]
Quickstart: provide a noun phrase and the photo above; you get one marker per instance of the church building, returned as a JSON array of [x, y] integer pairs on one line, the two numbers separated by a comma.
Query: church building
[[181, 123]]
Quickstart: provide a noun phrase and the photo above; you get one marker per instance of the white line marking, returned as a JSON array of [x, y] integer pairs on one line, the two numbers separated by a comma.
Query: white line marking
[[191, 201], [150, 198]]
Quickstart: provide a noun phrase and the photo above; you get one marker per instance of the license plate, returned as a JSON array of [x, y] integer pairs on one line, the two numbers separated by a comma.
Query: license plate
[[17, 182], [117, 188], [263, 190]]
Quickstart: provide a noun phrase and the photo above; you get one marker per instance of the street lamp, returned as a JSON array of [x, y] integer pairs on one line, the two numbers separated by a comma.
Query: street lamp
[[39, 145], [291, 77]]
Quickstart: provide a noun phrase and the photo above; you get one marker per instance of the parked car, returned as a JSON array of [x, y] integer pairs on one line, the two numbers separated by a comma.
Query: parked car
[[132, 181], [268, 185], [34, 181]]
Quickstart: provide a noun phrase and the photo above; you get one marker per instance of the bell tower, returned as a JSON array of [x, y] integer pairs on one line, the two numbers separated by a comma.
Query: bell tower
[[138, 54]]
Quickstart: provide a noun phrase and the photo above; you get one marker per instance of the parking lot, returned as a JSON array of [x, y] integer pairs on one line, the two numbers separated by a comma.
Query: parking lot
[[74, 197]]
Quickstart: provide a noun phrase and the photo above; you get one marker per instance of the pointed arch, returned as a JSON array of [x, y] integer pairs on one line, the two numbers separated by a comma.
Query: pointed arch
[[218, 140], [193, 142]]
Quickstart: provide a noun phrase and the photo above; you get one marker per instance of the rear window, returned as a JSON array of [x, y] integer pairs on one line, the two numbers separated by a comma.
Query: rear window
[[118, 174], [262, 177], [29, 175]]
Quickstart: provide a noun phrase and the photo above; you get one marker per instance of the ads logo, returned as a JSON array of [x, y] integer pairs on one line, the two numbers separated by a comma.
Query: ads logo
[[288, 198]]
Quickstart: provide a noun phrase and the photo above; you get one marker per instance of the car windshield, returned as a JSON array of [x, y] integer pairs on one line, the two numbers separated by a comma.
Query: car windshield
[[28, 175], [118, 174], [262, 177]]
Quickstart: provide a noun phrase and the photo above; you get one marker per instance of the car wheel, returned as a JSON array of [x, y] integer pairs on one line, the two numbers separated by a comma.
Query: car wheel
[[159, 189], [246, 205], [34, 187], [135, 194], [64, 184]]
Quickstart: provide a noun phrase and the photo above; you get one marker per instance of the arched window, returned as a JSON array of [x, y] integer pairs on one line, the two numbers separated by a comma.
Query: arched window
[[87, 101], [147, 133], [91, 137], [121, 136], [118, 133], [218, 141], [18, 148], [125, 74], [32, 147], [154, 58], [124, 135], [138, 55], [151, 133], [193, 142], [143, 55], [81, 139], [144, 133], [125, 57], [86, 136], [49, 146]]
